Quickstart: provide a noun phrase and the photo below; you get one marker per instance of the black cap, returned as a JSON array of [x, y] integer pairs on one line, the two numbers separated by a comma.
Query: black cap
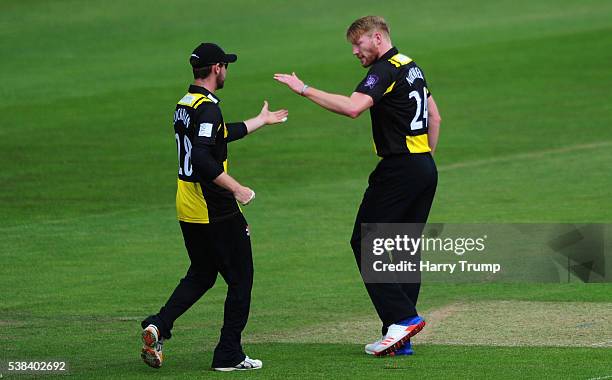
[[209, 54]]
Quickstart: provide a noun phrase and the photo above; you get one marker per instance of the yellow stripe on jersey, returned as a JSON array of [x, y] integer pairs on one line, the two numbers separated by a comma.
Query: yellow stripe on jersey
[[225, 132], [418, 144], [389, 89], [190, 203], [199, 102], [190, 99], [400, 60], [193, 100]]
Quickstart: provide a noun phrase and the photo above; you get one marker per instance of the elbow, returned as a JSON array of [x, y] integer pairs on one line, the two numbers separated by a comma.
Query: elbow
[[210, 172], [353, 113], [205, 165], [435, 119]]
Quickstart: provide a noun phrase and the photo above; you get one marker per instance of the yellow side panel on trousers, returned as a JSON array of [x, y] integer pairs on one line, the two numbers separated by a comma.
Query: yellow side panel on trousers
[[418, 144], [190, 203]]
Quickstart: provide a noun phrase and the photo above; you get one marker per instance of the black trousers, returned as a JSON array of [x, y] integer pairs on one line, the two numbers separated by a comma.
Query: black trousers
[[400, 190], [222, 247]]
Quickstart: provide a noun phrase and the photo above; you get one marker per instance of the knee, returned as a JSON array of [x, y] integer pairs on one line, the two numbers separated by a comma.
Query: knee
[[203, 279], [241, 292], [240, 282]]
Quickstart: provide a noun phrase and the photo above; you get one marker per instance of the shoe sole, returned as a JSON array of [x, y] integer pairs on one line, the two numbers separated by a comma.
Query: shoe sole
[[148, 338], [397, 345], [148, 353], [229, 369], [151, 357], [394, 353]]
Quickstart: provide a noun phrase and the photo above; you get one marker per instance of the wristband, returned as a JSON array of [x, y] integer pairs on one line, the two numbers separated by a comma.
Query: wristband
[[304, 89]]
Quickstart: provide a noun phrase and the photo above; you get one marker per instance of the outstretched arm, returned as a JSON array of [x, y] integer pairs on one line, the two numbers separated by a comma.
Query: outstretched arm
[[238, 130], [266, 117], [351, 106]]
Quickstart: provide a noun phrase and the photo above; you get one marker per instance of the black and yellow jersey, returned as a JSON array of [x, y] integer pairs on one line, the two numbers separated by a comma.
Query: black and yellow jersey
[[399, 114], [201, 140]]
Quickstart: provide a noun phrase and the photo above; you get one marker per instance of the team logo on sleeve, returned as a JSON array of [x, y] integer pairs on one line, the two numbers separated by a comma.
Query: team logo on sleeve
[[205, 130], [371, 81]]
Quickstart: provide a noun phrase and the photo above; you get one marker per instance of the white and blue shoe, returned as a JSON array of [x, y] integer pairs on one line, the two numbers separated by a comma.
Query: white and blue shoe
[[369, 348], [406, 349], [397, 336], [245, 365]]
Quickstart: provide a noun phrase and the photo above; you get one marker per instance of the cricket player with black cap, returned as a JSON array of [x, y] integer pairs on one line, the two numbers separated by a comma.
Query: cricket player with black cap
[[405, 128], [215, 232]]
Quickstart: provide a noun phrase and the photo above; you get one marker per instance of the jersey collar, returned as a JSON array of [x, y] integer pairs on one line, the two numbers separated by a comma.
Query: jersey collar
[[201, 90], [393, 51]]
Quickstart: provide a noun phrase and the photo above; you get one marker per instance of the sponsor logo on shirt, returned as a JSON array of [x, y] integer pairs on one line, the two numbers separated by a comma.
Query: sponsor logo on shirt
[[205, 130]]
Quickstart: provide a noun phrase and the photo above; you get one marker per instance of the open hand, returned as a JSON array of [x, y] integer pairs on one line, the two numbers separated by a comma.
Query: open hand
[[292, 81], [272, 117]]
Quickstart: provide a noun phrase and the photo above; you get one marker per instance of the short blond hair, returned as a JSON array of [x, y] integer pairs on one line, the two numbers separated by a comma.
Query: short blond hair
[[365, 25]]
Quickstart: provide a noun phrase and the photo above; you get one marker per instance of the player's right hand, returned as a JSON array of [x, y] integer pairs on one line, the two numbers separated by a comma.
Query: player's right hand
[[244, 195], [292, 81]]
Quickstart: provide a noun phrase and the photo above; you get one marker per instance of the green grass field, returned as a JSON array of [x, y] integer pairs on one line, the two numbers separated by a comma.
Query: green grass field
[[89, 239]]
